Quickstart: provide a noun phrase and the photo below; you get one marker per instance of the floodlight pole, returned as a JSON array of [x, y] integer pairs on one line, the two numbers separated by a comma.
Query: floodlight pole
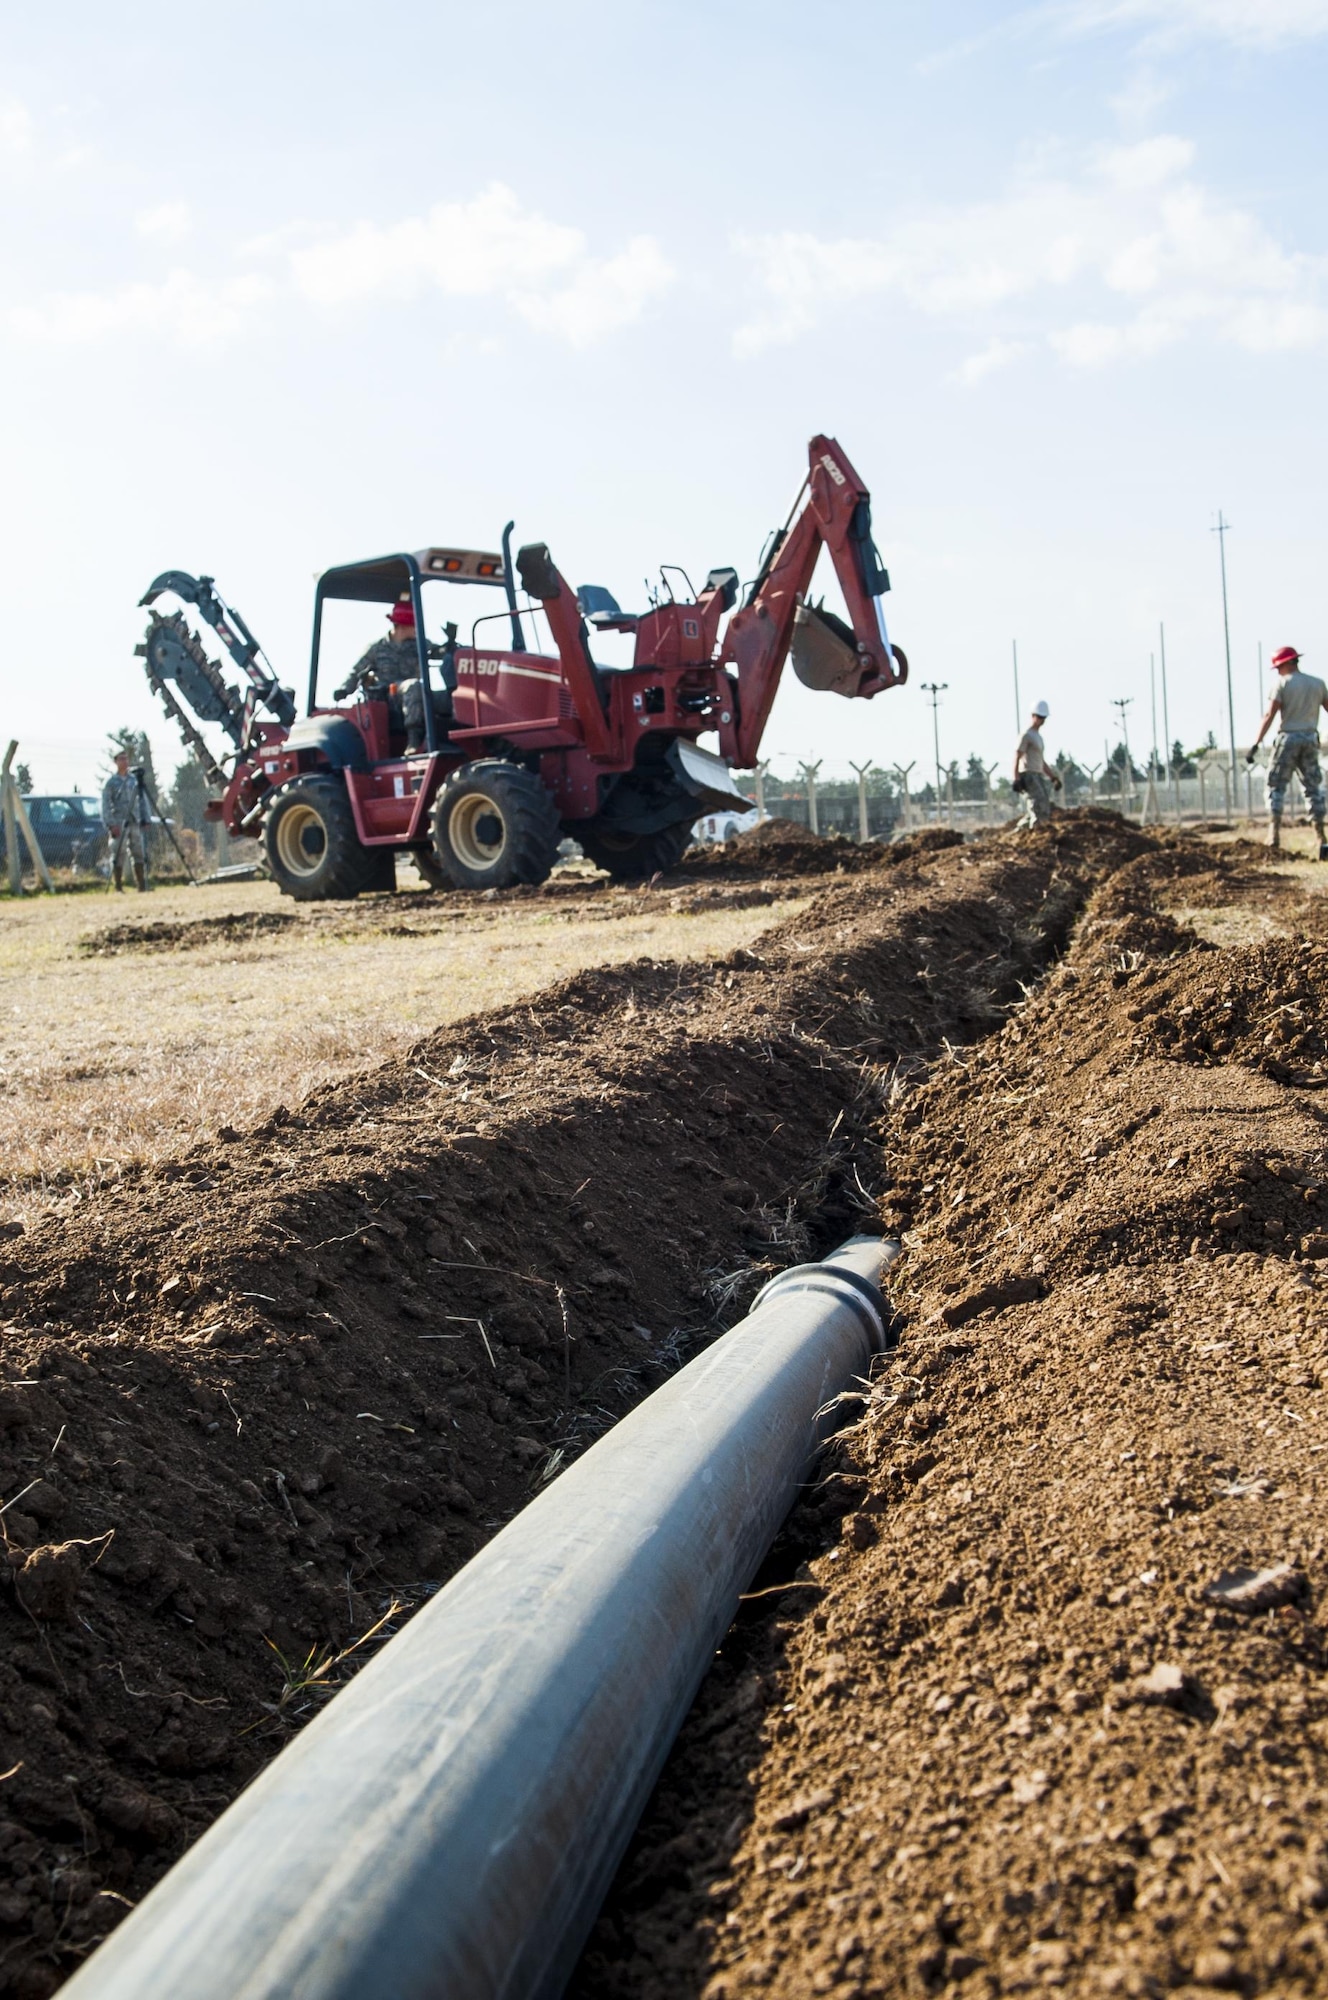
[[1018, 711], [1122, 702], [936, 689]]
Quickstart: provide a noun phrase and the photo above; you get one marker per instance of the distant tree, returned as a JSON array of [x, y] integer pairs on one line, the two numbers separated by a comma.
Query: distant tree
[[23, 777], [1074, 779], [1116, 761], [189, 795], [1180, 763]]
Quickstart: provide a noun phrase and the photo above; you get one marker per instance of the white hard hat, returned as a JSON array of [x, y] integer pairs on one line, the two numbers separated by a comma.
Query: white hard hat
[[1040, 708]]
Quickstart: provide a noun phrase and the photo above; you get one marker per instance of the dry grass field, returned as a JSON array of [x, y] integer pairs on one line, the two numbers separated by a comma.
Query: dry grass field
[[129, 1028]]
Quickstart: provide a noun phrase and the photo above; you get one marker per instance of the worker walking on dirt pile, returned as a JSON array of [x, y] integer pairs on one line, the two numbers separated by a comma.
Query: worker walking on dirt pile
[[1032, 774], [1297, 702], [124, 813]]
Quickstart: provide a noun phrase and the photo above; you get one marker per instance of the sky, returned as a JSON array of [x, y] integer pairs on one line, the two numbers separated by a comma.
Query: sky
[[284, 285]]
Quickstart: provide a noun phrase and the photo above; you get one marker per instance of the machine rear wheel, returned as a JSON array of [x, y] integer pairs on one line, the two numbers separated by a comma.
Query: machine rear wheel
[[312, 847], [633, 857], [495, 824]]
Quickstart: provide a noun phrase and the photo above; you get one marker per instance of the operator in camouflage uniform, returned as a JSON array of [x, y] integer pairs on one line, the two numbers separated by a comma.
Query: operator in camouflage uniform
[[1035, 780], [389, 659], [1297, 703], [124, 813], [394, 662]]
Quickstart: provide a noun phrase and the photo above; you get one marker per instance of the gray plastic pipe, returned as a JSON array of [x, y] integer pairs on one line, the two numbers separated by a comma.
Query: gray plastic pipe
[[449, 1824]]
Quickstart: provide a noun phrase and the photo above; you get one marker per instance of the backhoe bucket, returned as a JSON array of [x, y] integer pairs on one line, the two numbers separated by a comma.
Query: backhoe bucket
[[824, 653]]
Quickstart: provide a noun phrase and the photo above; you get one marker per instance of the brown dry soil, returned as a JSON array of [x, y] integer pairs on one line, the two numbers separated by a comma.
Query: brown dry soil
[[1047, 1707], [262, 1401]]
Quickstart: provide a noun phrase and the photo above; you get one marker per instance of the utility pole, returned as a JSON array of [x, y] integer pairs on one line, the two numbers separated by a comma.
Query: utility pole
[[1222, 530], [1122, 702], [1166, 719], [1152, 695], [1018, 709], [759, 774], [936, 689]]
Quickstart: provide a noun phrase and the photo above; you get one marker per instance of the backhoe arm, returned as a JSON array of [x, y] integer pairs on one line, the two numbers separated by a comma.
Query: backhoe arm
[[541, 578], [855, 660]]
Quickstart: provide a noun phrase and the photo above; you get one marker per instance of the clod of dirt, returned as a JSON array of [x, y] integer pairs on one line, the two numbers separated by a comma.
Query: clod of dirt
[[49, 1580]]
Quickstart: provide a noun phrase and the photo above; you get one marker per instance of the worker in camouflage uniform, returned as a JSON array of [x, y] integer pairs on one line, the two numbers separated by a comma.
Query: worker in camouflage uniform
[[1032, 775], [1296, 703], [124, 812], [389, 659], [394, 662]]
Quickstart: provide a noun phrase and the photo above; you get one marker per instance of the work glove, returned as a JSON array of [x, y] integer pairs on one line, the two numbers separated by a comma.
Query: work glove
[[1250, 756]]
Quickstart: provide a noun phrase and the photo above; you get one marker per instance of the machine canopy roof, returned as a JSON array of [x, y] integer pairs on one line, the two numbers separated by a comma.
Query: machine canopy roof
[[383, 579]]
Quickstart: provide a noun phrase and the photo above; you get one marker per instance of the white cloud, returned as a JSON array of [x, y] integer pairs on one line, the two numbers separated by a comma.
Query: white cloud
[[996, 354], [463, 249], [488, 248], [602, 296], [183, 308], [1248, 23], [16, 126], [169, 222], [1124, 256]]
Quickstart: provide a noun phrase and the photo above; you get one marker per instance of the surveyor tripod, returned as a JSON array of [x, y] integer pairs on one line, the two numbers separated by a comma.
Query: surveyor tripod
[[144, 795]]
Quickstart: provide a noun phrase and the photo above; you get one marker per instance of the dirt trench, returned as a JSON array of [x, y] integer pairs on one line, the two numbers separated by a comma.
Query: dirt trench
[[260, 1403], [1043, 1706]]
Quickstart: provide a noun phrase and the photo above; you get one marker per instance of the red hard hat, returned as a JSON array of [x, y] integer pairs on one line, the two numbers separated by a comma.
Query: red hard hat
[[402, 614], [1285, 656]]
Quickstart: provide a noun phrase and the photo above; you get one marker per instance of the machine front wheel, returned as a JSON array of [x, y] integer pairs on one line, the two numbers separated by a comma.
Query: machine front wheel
[[495, 824], [312, 847]]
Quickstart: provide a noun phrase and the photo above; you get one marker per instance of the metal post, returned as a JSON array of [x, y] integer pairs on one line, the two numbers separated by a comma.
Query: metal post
[[13, 859], [864, 824], [935, 689], [1222, 530], [808, 771], [759, 774], [1172, 772], [1018, 710], [1203, 794], [901, 771], [987, 770]]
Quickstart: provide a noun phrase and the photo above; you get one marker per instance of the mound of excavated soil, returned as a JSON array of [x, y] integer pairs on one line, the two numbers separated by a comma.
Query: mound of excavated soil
[[258, 1402], [783, 847], [1046, 1708]]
